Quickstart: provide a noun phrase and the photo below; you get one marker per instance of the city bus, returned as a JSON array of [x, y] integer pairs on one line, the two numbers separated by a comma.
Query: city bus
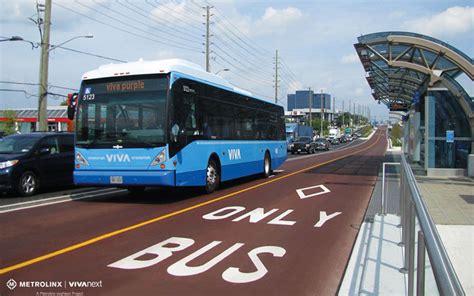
[[170, 123]]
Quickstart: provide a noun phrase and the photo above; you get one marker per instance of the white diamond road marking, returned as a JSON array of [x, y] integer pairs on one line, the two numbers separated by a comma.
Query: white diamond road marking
[[302, 195]]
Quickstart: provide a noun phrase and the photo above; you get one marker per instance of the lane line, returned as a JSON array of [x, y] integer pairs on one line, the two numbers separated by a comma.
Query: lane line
[[144, 223], [56, 197], [115, 191]]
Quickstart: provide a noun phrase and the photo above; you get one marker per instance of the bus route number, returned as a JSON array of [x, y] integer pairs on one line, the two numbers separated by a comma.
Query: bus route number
[[88, 97]]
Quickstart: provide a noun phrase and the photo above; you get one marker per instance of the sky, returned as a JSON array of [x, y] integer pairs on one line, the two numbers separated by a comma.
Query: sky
[[314, 40]]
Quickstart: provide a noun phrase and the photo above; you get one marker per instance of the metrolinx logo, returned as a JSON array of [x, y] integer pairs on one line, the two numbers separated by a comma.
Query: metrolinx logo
[[11, 284]]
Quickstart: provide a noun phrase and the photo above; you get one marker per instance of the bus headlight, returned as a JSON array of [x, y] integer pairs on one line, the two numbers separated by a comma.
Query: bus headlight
[[80, 159], [161, 157]]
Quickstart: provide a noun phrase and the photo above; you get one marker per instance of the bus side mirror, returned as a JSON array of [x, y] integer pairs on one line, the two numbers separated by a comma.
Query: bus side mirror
[[71, 105], [175, 132]]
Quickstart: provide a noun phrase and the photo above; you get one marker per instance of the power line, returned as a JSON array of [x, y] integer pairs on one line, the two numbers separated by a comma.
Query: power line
[[91, 54], [135, 27], [36, 84], [27, 94], [154, 19], [126, 31], [173, 11]]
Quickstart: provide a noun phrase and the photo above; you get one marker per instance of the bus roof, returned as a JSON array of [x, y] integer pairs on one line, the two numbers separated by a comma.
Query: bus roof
[[142, 67]]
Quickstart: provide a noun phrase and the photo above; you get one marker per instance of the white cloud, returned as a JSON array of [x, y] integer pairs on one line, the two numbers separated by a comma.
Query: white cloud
[[352, 58], [273, 21], [454, 20], [281, 17], [165, 54], [359, 91]]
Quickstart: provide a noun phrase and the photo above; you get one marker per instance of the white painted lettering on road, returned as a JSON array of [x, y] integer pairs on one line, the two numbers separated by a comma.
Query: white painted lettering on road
[[323, 218], [279, 220], [217, 215], [161, 251], [166, 248], [302, 195], [234, 275], [255, 215], [181, 268]]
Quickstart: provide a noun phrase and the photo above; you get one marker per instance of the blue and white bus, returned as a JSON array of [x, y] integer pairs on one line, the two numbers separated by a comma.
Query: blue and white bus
[[169, 123]]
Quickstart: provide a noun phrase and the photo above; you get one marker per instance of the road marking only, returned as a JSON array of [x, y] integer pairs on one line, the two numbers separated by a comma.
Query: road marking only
[[169, 215], [302, 195]]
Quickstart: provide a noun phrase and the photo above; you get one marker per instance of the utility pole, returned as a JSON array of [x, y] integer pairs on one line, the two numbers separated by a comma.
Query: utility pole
[[310, 105], [350, 116], [276, 76], [322, 113], [333, 108], [343, 113], [42, 124], [208, 35]]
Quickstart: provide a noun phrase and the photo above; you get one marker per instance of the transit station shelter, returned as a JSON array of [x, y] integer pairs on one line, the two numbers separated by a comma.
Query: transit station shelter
[[416, 75]]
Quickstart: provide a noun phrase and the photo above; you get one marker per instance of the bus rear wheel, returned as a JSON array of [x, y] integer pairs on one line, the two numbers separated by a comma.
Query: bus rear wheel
[[212, 176], [267, 165]]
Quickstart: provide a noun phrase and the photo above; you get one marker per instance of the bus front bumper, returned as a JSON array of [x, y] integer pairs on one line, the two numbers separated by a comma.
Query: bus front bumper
[[124, 178]]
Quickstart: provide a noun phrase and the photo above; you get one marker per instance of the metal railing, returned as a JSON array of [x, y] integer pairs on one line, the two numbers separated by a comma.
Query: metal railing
[[413, 213]]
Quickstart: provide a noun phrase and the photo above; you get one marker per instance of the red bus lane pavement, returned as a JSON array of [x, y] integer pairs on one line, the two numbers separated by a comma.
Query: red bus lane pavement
[[291, 234]]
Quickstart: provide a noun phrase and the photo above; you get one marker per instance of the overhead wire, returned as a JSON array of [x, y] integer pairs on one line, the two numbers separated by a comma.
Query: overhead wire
[[133, 26], [173, 11], [125, 30]]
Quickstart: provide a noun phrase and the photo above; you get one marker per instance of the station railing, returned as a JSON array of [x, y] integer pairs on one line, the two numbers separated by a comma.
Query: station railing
[[434, 273]]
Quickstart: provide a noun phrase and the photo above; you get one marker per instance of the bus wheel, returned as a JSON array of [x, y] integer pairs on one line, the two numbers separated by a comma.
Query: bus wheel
[[212, 176], [267, 165]]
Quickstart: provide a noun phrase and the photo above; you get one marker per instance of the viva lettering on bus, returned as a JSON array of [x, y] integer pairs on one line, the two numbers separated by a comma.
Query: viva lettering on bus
[[125, 86]]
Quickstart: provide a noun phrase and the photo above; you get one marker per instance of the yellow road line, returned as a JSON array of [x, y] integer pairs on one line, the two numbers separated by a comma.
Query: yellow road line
[[117, 232]]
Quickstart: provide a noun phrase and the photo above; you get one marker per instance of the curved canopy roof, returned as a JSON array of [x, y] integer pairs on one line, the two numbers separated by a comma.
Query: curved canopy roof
[[400, 66]]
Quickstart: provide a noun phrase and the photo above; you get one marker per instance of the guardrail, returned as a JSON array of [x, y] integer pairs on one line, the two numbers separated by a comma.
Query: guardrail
[[415, 219]]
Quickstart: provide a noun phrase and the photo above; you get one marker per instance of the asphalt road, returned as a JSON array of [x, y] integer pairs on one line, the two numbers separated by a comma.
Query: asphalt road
[[290, 234]]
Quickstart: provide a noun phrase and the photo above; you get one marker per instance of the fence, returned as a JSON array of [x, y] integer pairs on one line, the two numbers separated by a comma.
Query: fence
[[419, 235]]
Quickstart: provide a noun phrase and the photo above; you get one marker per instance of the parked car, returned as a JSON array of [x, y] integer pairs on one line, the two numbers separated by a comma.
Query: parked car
[[302, 144], [34, 160], [322, 144]]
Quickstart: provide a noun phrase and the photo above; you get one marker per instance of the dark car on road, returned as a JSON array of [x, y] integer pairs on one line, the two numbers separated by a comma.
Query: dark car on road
[[34, 160], [302, 144], [321, 144]]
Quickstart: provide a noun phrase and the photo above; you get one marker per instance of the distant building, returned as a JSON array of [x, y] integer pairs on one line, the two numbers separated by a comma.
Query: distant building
[[25, 119], [300, 100], [298, 105]]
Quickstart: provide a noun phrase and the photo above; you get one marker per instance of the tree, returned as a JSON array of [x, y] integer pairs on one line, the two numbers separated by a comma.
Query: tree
[[347, 119], [9, 125], [316, 125], [396, 135]]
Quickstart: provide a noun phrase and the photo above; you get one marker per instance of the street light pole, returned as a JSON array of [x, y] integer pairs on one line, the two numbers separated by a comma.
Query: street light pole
[[310, 99], [322, 113], [225, 70], [42, 124]]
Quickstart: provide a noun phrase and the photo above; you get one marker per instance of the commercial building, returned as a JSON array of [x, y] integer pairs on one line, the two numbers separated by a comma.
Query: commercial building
[[299, 105], [25, 120]]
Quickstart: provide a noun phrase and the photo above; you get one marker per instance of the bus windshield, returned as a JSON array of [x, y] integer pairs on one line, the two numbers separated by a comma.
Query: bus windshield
[[123, 112]]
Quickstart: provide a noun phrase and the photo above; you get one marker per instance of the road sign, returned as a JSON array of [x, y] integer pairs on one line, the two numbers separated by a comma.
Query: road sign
[[450, 136], [398, 107]]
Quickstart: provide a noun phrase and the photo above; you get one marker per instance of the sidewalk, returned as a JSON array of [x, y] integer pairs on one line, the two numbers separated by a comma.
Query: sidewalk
[[450, 202], [376, 257]]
